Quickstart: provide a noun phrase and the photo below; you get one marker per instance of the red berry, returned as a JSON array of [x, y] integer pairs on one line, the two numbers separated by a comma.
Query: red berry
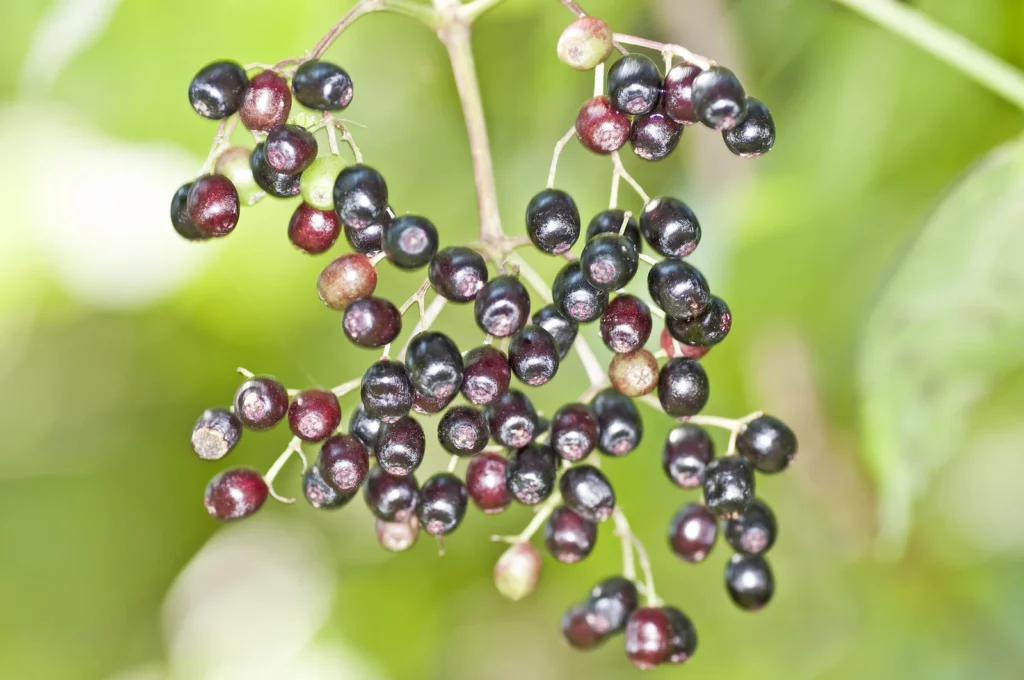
[[314, 415], [693, 532], [344, 462], [648, 637], [345, 280], [235, 494], [601, 127], [313, 231], [485, 478], [260, 403], [213, 205], [678, 93], [267, 103]]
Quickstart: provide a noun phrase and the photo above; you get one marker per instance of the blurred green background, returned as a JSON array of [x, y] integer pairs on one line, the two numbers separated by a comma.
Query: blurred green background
[[878, 308]]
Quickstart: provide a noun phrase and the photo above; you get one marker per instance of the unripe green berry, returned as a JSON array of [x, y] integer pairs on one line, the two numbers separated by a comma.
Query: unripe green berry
[[517, 571], [317, 181], [233, 163], [585, 43]]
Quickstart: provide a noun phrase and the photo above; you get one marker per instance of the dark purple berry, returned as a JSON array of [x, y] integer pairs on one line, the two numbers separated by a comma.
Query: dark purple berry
[[435, 365], [610, 222], [588, 493], [386, 391], [463, 431], [369, 238], [728, 486], [371, 322], [553, 221], [610, 604], [213, 205], [754, 531], [261, 403], [217, 431], [533, 355], [530, 473], [576, 299], [344, 462], [314, 415], [692, 533], [749, 581], [486, 375], [270, 180], [218, 90], [485, 479], [609, 261], [429, 406], [443, 500], [754, 134], [458, 273], [290, 149], [313, 231], [601, 127], [561, 329], [345, 280], [574, 432], [365, 427], [502, 307], [400, 446], [718, 98], [361, 197], [410, 242], [390, 497], [235, 494], [634, 84], [683, 387], [267, 103], [684, 636], [678, 93], [577, 632], [322, 495], [648, 637], [620, 423], [180, 219], [670, 227], [679, 289], [568, 537], [688, 449], [322, 85], [512, 419], [654, 135], [626, 324], [707, 330], [768, 444], [397, 536]]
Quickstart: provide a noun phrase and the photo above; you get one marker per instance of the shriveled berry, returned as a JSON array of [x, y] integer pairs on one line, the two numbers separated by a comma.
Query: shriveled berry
[[684, 636], [707, 330], [533, 355], [316, 183], [485, 479], [688, 450], [371, 322], [273, 182], [561, 329], [429, 406], [610, 604], [410, 242], [235, 494], [217, 431], [458, 273], [601, 127], [512, 419], [486, 375], [463, 431], [754, 531], [213, 205], [576, 299], [634, 373], [322, 495], [749, 581], [574, 432], [502, 307], [368, 238], [322, 85], [434, 364], [180, 219], [754, 135], [626, 324], [585, 43], [648, 637], [365, 427], [290, 149], [620, 422], [634, 84], [530, 473], [386, 391], [443, 500], [267, 103], [654, 135], [679, 289], [517, 571], [397, 536], [692, 533], [670, 227], [588, 493], [683, 387], [718, 98], [768, 444], [345, 280], [360, 196], [314, 415], [673, 348], [234, 164], [728, 486], [344, 462], [261, 403], [677, 96], [609, 261], [553, 221], [568, 537], [610, 222], [218, 90], [390, 497], [401, 446], [577, 631], [313, 231]]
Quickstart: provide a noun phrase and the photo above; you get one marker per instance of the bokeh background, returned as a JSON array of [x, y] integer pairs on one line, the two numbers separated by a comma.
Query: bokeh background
[[872, 262]]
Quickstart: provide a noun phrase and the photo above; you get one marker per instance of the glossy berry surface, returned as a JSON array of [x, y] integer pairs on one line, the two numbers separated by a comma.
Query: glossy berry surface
[[718, 98], [434, 364], [670, 227], [684, 636], [677, 95], [634, 84], [619, 422], [626, 324], [463, 431], [530, 473], [390, 497], [215, 433], [512, 419], [386, 391], [588, 493], [577, 631], [673, 348], [260, 403], [429, 406], [634, 373], [367, 238], [213, 205], [360, 196], [610, 604], [654, 135], [679, 289], [371, 322], [561, 329], [754, 135], [290, 149], [458, 273], [610, 222], [728, 486], [485, 480], [574, 432], [693, 532], [648, 637], [397, 536], [568, 537], [344, 462], [320, 494], [322, 85], [609, 261], [601, 127], [218, 90], [749, 581], [754, 531], [271, 181], [313, 231], [401, 446], [365, 427], [235, 494], [533, 355], [576, 299], [706, 330], [180, 218], [585, 43], [688, 450], [410, 242], [345, 280], [443, 501], [768, 444], [553, 221], [502, 307], [267, 103], [233, 163], [486, 375], [683, 387], [314, 415]]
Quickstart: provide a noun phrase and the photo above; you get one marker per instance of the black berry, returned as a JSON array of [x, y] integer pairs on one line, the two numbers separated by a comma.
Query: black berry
[[610, 222], [749, 581], [217, 431], [361, 197], [683, 387], [322, 85], [670, 227], [768, 444], [754, 134], [180, 219], [213, 205], [400, 446], [634, 84], [692, 533], [718, 98], [443, 500], [463, 431], [576, 299], [390, 497], [261, 403], [707, 330], [553, 221], [677, 97], [577, 631], [728, 486], [626, 324], [235, 494], [314, 415], [457, 273], [344, 462], [588, 493], [530, 473], [502, 307], [218, 89], [273, 182], [486, 375], [290, 149], [365, 427], [367, 238], [610, 604], [386, 391], [609, 261], [485, 480], [533, 355], [410, 242], [371, 322], [679, 289], [322, 495], [512, 419], [574, 432], [654, 135], [754, 531], [687, 451], [267, 103], [620, 423], [434, 364], [428, 406], [561, 329], [684, 636], [601, 127], [568, 537]]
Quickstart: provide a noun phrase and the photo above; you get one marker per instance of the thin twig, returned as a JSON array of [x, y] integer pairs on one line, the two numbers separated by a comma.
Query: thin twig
[[625, 535], [543, 512], [346, 387], [294, 446], [426, 320], [559, 146], [621, 170], [665, 48]]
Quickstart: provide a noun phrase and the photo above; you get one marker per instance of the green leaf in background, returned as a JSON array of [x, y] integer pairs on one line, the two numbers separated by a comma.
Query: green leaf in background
[[948, 325]]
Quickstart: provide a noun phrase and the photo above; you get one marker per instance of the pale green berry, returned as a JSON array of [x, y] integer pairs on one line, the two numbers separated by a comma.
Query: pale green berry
[[317, 181], [517, 571], [234, 164], [585, 43]]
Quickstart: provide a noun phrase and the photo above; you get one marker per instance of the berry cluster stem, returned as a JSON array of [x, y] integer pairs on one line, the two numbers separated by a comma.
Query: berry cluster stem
[[620, 170], [631, 543], [664, 48], [294, 446], [539, 517], [559, 147]]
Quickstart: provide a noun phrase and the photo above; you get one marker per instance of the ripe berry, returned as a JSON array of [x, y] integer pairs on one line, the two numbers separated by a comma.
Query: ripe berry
[[575, 298], [533, 355], [648, 637], [360, 196], [261, 403], [233, 163], [670, 227], [365, 427], [485, 479], [429, 406], [634, 373], [683, 387], [754, 134], [369, 238], [213, 205], [561, 329], [634, 84], [678, 93], [577, 632], [692, 533], [728, 486], [322, 85], [235, 494], [684, 636], [180, 219], [568, 537], [316, 183], [502, 307], [457, 273], [517, 571], [553, 221], [218, 89], [410, 242], [290, 149], [610, 604], [626, 324], [588, 493], [754, 531], [574, 432], [397, 536], [620, 423], [371, 322], [687, 451], [610, 222], [314, 415], [267, 102], [512, 420], [486, 375], [270, 180], [585, 43], [391, 498], [654, 135], [443, 501], [322, 495], [530, 473], [679, 289], [673, 348], [708, 329], [386, 391], [609, 261], [345, 280], [344, 462], [434, 364], [600, 126], [400, 446], [463, 431], [768, 444], [313, 231], [215, 433], [718, 98], [749, 581]]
